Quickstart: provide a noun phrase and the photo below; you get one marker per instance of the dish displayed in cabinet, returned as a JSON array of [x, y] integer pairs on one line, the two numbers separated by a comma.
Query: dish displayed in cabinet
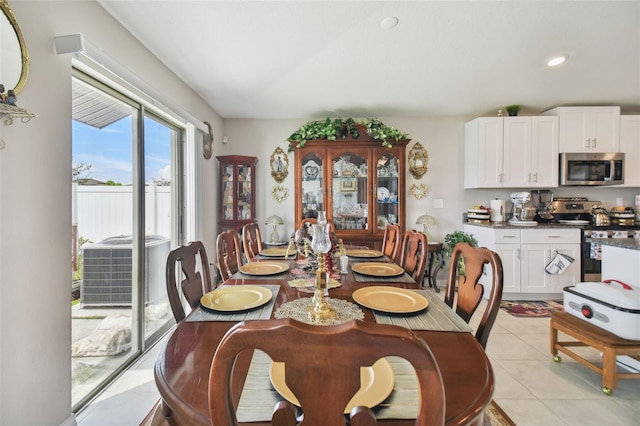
[[383, 194]]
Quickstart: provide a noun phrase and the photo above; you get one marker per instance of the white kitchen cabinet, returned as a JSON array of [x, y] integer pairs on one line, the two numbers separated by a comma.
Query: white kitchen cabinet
[[511, 152], [483, 153], [525, 253], [530, 152], [588, 129], [630, 145]]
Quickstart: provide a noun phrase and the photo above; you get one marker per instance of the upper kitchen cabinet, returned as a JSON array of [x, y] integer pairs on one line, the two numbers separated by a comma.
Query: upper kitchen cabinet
[[630, 145], [358, 182], [237, 194], [588, 129], [511, 152]]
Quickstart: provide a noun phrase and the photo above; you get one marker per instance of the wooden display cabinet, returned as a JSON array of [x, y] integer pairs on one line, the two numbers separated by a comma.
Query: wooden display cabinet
[[358, 182], [236, 191]]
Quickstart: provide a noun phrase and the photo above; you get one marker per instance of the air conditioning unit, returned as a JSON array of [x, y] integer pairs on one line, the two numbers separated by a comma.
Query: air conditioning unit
[[107, 271]]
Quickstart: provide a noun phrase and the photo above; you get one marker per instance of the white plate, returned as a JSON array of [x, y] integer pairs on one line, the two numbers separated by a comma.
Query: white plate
[[236, 298], [482, 211], [390, 299], [383, 193], [523, 223], [376, 383], [575, 222]]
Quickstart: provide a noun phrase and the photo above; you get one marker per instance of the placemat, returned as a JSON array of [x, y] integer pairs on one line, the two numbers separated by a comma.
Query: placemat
[[404, 278], [263, 312], [437, 316], [299, 310], [259, 397]]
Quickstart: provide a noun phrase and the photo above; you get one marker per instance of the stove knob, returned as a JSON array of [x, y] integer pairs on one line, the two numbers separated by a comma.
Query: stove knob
[[586, 310]]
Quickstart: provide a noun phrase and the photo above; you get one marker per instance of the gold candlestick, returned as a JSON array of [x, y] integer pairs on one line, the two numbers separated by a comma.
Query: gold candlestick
[[320, 308]]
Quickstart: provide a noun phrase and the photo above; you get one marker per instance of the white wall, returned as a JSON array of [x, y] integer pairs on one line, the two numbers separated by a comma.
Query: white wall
[[35, 207]]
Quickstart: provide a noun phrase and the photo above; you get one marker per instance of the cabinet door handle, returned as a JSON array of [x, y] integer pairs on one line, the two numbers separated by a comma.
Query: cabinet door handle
[[529, 177], [553, 236], [509, 236], [588, 143], [535, 177], [593, 143], [518, 253], [499, 177]]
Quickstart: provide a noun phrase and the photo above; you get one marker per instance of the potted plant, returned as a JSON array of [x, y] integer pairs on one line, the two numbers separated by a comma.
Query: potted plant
[[450, 241], [513, 110]]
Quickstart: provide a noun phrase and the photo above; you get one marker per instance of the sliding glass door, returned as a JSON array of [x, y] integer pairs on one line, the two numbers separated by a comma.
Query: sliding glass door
[[126, 195]]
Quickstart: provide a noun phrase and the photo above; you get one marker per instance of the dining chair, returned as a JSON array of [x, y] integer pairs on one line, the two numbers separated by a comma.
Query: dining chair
[[469, 290], [413, 254], [251, 241], [229, 257], [391, 241], [323, 381], [187, 265]]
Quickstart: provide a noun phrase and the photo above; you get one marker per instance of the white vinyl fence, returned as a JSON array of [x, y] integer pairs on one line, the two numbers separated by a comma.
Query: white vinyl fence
[[103, 211]]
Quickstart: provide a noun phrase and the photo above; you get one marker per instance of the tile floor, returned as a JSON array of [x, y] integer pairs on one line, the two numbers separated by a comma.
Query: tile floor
[[530, 387]]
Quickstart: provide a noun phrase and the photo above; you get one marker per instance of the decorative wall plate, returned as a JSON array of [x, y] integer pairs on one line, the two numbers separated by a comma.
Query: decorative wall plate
[[418, 159], [207, 143], [418, 190], [279, 193], [279, 165]]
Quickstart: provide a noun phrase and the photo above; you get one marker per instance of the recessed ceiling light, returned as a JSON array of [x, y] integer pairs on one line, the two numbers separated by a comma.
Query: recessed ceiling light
[[554, 62], [389, 22]]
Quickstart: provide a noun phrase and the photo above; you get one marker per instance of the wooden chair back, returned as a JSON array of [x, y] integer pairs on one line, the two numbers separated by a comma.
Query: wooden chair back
[[469, 290], [392, 241], [188, 266], [251, 241], [322, 380], [413, 254], [229, 257]]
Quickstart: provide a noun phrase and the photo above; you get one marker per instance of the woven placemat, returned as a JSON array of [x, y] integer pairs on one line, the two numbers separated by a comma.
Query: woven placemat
[[261, 313]]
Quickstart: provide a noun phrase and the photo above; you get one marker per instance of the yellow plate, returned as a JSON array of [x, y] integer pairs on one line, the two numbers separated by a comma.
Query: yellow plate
[[277, 252], [236, 298], [390, 299], [264, 268], [364, 253], [376, 383], [377, 269]]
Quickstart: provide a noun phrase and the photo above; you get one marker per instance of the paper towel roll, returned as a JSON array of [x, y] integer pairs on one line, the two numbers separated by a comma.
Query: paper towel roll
[[497, 211]]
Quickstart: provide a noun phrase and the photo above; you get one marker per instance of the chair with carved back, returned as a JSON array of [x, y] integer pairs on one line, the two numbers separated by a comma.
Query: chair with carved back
[[322, 382], [413, 254], [466, 298], [251, 241], [188, 267], [229, 257], [391, 242]]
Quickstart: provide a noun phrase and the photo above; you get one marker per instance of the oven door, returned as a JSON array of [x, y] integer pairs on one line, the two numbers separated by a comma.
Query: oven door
[[591, 265]]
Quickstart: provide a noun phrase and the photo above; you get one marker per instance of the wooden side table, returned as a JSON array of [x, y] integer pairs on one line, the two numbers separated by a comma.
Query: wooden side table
[[434, 249]]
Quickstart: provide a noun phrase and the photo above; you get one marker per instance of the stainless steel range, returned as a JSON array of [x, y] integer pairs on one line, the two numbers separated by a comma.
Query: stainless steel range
[[578, 211]]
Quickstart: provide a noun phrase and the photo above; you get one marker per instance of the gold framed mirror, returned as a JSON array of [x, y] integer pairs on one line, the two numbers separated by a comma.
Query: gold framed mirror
[[418, 159], [15, 59], [279, 165]]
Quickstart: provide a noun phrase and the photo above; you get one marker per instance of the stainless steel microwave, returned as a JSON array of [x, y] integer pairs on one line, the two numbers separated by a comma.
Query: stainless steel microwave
[[591, 169]]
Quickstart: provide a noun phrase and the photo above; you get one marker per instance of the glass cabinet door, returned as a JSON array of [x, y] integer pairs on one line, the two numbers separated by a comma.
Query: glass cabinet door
[[227, 191], [388, 190], [244, 192], [350, 199], [312, 189]]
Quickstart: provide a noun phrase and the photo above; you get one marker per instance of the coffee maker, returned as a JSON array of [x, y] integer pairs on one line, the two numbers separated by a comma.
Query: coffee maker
[[522, 213]]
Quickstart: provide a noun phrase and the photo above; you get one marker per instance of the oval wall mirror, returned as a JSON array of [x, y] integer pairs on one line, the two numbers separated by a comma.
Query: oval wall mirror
[[14, 62]]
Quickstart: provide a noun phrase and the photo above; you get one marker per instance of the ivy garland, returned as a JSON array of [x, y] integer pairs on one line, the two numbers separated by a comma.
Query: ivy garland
[[332, 129]]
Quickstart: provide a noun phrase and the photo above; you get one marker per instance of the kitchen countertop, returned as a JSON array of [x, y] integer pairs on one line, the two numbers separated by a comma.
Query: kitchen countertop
[[627, 243], [551, 225]]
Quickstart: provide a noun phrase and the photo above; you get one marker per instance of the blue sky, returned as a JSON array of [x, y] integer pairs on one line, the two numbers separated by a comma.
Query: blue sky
[[109, 150]]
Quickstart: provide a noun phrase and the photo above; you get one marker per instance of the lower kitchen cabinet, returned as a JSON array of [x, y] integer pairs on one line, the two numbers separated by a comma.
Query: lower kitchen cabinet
[[525, 253]]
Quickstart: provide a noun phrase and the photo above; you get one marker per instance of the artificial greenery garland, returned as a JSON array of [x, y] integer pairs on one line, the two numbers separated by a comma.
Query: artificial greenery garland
[[341, 128]]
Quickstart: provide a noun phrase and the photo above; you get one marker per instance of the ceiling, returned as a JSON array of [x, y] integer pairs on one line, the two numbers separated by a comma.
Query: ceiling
[[311, 59]]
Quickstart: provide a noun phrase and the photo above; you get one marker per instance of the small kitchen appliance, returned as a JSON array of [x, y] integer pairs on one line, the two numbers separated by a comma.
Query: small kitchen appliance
[[611, 305], [523, 213]]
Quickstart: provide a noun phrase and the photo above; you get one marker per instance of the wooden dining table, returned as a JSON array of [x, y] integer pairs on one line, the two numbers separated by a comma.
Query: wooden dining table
[[183, 365]]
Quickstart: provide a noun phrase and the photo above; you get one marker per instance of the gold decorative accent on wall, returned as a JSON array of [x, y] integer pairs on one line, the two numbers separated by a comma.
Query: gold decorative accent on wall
[[279, 165], [207, 143], [418, 190], [279, 193], [418, 160]]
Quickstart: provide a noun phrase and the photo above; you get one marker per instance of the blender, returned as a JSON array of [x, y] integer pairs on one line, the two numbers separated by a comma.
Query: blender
[[523, 213]]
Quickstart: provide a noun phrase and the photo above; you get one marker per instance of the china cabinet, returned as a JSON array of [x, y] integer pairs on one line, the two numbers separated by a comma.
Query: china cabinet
[[588, 129], [359, 183], [236, 191]]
